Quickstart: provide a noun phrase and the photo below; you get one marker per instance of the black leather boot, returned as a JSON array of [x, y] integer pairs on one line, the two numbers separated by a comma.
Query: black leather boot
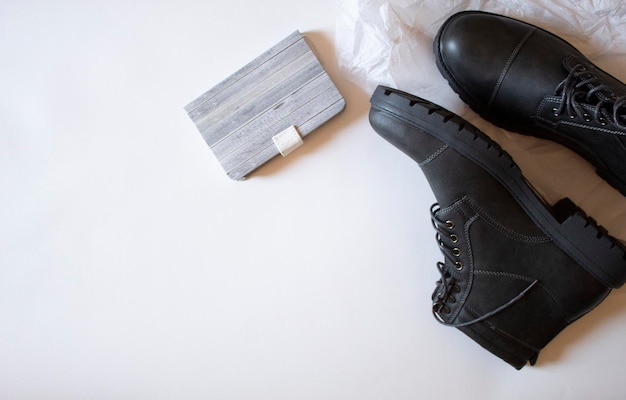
[[530, 81], [516, 271]]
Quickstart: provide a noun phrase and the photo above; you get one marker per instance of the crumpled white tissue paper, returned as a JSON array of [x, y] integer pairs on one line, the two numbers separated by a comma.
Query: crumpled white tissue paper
[[390, 43]]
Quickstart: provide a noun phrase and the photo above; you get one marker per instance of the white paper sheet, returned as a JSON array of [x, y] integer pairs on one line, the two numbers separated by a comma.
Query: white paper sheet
[[390, 42]]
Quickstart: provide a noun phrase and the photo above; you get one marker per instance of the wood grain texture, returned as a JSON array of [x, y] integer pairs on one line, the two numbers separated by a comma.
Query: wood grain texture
[[285, 86]]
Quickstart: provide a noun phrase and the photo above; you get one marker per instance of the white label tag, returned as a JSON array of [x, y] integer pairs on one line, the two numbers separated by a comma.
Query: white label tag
[[287, 140]]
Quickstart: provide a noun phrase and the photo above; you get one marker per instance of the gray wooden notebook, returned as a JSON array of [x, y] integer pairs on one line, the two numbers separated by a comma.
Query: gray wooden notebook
[[265, 108]]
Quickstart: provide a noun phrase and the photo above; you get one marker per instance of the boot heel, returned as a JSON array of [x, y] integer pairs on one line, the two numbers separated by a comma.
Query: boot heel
[[608, 254]]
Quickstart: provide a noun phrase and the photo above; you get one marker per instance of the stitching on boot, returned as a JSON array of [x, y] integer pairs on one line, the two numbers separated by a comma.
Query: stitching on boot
[[457, 205], [509, 336], [470, 258], [554, 299], [506, 67], [552, 100], [516, 339], [434, 155], [538, 239], [621, 144], [500, 348], [507, 274]]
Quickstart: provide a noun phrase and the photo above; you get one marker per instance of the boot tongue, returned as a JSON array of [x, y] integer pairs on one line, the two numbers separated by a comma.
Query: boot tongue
[[571, 62], [607, 89]]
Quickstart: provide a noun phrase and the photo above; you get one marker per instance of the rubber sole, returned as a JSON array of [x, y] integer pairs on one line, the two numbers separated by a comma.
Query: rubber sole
[[566, 224], [504, 123]]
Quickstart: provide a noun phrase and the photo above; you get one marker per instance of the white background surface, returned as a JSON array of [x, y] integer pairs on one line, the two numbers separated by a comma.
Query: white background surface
[[132, 267]]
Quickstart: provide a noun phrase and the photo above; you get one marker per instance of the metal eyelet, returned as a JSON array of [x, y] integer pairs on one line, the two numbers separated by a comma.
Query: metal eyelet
[[458, 266], [587, 117], [555, 112], [454, 238], [450, 224], [456, 252]]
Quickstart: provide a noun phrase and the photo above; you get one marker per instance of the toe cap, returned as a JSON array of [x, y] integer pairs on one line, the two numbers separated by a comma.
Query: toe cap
[[502, 67], [473, 48]]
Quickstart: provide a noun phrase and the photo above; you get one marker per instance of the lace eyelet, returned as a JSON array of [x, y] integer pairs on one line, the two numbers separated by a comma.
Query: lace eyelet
[[555, 112], [451, 299], [454, 238], [441, 308], [456, 252], [450, 224], [459, 267], [587, 117]]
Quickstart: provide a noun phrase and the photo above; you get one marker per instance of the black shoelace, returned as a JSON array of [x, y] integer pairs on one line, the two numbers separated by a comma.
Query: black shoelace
[[448, 286], [580, 87]]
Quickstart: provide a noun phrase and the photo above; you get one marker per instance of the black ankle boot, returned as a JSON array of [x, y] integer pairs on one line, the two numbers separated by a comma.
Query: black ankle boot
[[516, 271], [530, 81]]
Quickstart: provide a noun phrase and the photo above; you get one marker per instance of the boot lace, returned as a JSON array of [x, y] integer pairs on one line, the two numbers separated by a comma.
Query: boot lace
[[449, 270], [581, 86]]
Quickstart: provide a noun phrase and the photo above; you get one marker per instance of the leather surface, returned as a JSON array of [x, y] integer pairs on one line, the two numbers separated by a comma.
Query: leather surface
[[508, 71], [504, 65], [502, 252]]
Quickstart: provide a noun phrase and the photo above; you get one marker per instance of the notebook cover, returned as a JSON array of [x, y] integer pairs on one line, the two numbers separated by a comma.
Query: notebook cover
[[283, 88]]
